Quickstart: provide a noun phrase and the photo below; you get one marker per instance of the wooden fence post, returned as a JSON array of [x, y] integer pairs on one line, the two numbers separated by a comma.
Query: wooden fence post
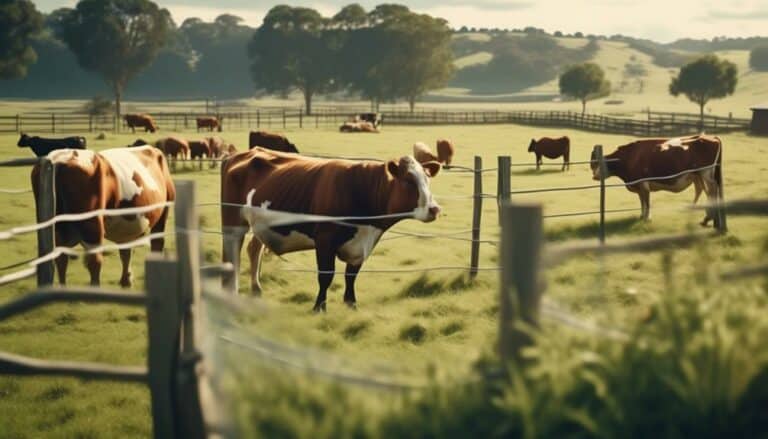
[[53, 123], [521, 238], [477, 212], [721, 223], [163, 323], [284, 118], [503, 181], [18, 123], [46, 209], [90, 123], [188, 250], [301, 119], [603, 172]]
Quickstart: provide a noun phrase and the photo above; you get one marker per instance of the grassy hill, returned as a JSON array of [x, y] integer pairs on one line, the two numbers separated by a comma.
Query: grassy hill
[[628, 95]]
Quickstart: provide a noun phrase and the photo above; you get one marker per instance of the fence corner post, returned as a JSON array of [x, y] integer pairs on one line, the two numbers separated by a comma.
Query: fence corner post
[[603, 172], [46, 209], [163, 324], [721, 222], [503, 182], [520, 288], [477, 212]]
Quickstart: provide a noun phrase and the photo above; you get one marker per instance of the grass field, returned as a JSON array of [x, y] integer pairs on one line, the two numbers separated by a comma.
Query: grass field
[[414, 322]]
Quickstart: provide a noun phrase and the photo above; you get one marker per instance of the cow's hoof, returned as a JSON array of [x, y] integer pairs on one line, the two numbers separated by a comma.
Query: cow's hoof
[[256, 290], [351, 305], [319, 308], [126, 281]]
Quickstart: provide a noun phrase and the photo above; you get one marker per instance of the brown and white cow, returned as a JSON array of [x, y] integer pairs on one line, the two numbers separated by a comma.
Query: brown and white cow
[[145, 121], [175, 147], [209, 122], [109, 179], [642, 161], [551, 148], [358, 127], [275, 142], [292, 183], [445, 151]]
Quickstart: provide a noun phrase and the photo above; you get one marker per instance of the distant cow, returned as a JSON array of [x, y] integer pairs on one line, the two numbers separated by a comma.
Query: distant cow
[[358, 127], [174, 147], [275, 181], [275, 142], [423, 154], [552, 148], [373, 118], [42, 146], [642, 161], [199, 149], [109, 179], [209, 122], [140, 121], [220, 148]]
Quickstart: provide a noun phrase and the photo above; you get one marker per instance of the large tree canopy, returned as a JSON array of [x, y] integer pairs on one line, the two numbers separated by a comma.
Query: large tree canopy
[[584, 82], [293, 49], [116, 38], [19, 22], [708, 77]]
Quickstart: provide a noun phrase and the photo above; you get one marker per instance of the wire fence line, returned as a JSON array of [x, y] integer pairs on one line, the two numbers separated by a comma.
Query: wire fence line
[[557, 314], [15, 191]]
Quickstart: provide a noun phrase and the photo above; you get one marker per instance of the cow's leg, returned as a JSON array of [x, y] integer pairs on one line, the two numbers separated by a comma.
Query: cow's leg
[[712, 190], [232, 244], [350, 275], [255, 253], [325, 264], [645, 204], [698, 186], [538, 161], [92, 232], [566, 161], [93, 263], [62, 261], [157, 244], [126, 278]]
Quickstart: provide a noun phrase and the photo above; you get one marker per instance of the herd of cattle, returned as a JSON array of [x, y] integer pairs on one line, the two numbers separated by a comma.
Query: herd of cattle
[[272, 178]]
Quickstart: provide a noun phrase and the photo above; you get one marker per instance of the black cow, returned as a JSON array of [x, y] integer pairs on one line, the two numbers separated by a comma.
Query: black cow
[[42, 146]]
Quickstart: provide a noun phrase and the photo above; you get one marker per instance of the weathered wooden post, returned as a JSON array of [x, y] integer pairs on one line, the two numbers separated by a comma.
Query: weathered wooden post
[[603, 172], [188, 251], [503, 181], [477, 211], [163, 323], [46, 209], [721, 223], [301, 119], [284, 123], [521, 238]]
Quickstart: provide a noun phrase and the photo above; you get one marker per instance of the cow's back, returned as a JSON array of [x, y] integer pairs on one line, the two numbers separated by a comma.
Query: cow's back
[[662, 157], [553, 147]]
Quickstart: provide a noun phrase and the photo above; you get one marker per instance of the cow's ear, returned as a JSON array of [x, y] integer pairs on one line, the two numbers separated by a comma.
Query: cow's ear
[[431, 168], [394, 168]]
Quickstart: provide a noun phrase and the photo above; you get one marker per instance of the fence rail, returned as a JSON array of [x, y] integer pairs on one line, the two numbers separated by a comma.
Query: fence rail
[[652, 125]]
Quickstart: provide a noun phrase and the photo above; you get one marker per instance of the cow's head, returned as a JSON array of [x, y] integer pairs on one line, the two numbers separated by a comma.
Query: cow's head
[[593, 163], [532, 145], [23, 140], [412, 188]]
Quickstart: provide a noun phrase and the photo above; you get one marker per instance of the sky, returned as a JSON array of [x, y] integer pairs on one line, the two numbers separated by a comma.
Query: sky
[[658, 20]]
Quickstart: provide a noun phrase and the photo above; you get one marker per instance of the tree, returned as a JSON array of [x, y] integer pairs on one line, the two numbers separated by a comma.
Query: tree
[[584, 82], [116, 38], [19, 23], [293, 50], [758, 58], [703, 79], [351, 17]]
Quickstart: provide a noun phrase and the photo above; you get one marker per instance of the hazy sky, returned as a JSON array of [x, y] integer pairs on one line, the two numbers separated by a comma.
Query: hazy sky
[[659, 20]]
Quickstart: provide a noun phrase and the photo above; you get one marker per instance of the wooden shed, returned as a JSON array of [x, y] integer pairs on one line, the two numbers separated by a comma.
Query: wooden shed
[[759, 120]]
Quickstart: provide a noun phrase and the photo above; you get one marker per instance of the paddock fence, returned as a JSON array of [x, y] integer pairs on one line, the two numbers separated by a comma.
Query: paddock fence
[[652, 124]]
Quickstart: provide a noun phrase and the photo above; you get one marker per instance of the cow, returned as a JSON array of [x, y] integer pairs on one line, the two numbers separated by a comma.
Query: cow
[[284, 182], [199, 149], [110, 179], [42, 146], [373, 118], [445, 151], [275, 142], [552, 148], [174, 147], [641, 162], [209, 122], [358, 127], [141, 121]]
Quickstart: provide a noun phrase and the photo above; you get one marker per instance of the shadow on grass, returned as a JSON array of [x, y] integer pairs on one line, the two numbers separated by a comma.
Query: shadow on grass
[[423, 286], [542, 171], [613, 227]]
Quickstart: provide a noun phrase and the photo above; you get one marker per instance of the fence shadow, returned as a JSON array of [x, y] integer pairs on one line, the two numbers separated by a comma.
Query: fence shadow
[[620, 226], [542, 171]]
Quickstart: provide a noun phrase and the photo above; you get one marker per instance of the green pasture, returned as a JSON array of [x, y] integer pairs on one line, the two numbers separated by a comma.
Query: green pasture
[[421, 324]]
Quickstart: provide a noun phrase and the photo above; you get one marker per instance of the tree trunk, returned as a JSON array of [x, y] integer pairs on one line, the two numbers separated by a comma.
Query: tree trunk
[[412, 103], [701, 116], [583, 106], [118, 90], [308, 102]]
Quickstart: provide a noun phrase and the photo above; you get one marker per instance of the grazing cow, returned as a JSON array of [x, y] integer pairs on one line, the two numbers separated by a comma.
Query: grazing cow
[[552, 148], [141, 121], [275, 142], [174, 147], [228, 150], [42, 146], [373, 118], [654, 158], [109, 179], [358, 127], [199, 149], [445, 151], [292, 183], [209, 122]]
